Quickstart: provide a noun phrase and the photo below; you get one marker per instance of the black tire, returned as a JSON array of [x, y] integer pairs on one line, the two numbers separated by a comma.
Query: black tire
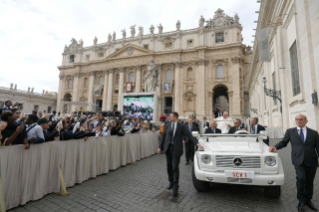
[[273, 191], [199, 185]]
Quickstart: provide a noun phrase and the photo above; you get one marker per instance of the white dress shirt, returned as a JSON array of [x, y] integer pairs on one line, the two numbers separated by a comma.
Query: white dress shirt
[[304, 130], [174, 130]]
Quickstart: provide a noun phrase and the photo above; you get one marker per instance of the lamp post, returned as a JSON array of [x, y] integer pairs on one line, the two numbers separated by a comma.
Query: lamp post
[[272, 93]]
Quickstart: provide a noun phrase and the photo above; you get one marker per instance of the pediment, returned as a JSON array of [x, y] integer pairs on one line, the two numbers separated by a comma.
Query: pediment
[[130, 51]]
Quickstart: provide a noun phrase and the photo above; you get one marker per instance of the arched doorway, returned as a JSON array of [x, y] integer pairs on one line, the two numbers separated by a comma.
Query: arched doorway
[[220, 98], [67, 98]]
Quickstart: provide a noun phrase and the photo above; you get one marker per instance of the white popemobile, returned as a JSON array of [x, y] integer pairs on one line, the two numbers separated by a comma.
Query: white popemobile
[[239, 158]]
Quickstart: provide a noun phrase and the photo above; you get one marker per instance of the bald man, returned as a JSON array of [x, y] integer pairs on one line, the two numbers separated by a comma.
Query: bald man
[[213, 128], [304, 155]]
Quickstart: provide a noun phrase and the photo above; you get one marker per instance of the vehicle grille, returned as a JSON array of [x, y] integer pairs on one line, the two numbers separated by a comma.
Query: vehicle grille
[[226, 161]]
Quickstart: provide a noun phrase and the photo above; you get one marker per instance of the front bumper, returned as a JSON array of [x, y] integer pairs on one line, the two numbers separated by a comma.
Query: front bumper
[[259, 179]]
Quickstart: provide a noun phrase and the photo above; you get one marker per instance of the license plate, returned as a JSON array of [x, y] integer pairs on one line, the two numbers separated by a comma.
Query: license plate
[[240, 174]]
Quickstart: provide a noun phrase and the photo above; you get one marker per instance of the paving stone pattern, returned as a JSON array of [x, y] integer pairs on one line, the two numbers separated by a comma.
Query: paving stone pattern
[[141, 188]]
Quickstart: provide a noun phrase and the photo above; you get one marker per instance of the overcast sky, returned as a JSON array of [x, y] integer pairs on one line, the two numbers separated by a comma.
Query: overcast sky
[[33, 33]]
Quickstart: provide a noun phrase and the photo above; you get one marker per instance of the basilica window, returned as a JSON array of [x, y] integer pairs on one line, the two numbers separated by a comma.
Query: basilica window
[[131, 77], [117, 79], [168, 45], [190, 42], [71, 58], [85, 82], [101, 80], [70, 83], [220, 71], [189, 73], [294, 69], [219, 37], [101, 54], [145, 46], [87, 57], [169, 74]]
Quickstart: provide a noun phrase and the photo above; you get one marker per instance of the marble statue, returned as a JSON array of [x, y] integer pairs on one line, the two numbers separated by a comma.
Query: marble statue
[[81, 43], [151, 77], [141, 31], [65, 48], [236, 18], [43, 92], [95, 40], [32, 90], [160, 29], [109, 38], [178, 25], [15, 87], [46, 92], [201, 21], [114, 36], [29, 89], [124, 34], [210, 23], [11, 86], [73, 40], [152, 29], [133, 31]]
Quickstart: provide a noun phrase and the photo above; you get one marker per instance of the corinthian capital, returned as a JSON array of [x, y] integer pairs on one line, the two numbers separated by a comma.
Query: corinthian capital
[[61, 77]]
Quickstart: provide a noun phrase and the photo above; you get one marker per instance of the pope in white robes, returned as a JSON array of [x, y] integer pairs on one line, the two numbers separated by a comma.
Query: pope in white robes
[[224, 122]]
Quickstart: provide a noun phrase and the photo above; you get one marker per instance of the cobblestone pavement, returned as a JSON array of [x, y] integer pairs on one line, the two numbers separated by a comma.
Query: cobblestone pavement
[[141, 188]]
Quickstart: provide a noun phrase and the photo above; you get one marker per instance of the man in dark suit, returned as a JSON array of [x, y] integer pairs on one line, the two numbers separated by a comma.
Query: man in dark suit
[[236, 127], [212, 129], [189, 146], [304, 155], [256, 128], [205, 123], [172, 144]]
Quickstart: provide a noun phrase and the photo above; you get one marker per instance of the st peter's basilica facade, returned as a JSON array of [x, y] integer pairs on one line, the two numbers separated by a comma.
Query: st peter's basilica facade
[[199, 69]]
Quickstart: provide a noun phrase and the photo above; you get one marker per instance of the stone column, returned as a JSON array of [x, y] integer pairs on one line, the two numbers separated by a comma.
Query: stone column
[[230, 103], [159, 85], [236, 88], [60, 94], [76, 77], [110, 90], [91, 90], [106, 74], [121, 85], [177, 88], [200, 88], [138, 79]]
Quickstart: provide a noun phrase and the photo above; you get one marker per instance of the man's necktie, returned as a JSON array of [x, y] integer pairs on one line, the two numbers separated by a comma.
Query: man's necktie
[[302, 135]]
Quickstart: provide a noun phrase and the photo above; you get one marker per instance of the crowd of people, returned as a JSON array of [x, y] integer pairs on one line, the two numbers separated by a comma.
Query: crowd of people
[[17, 127]]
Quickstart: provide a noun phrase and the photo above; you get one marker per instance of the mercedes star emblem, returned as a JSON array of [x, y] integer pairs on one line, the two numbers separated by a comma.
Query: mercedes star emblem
[[237, 161]]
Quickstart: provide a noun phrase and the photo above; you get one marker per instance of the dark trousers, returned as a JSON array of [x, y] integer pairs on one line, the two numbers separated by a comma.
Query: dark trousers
[[305, 178], [172, 162], [189, 151]]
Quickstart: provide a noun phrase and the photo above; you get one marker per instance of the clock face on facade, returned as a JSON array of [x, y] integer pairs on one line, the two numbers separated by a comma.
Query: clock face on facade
[[219, 21], [73, 47]]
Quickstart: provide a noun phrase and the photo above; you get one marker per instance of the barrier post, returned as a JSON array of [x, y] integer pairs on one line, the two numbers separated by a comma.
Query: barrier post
[[2, 203], [63, 191]]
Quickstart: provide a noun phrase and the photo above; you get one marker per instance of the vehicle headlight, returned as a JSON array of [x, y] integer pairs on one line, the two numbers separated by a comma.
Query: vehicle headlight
[[206, 159], [270, 160]]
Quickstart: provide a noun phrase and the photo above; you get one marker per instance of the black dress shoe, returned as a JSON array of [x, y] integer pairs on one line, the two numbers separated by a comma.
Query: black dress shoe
[[311, 205], [170, 186], [301, 206], [187, 163], [175, 192]]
